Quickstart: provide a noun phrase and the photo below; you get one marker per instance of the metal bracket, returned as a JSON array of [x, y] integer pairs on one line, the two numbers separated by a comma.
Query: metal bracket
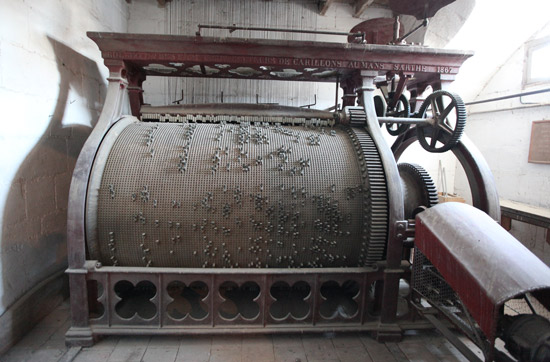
[[401, 227]]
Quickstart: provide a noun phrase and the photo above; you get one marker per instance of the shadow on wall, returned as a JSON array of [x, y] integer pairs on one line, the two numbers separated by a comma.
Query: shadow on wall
[[35, 214]]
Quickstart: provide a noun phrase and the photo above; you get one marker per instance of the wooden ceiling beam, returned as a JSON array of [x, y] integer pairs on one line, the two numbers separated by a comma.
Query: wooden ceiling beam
[[361, 6], [324, 5]]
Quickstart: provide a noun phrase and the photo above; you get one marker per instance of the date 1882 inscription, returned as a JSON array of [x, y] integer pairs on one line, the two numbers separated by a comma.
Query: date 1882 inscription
[[280, 61]]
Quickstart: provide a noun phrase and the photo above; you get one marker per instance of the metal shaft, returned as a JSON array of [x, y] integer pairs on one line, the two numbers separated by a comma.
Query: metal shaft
[[406, 120], [233, 28], [508, 97]]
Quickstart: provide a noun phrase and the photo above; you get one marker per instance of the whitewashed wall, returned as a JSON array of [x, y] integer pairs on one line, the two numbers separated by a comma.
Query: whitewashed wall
[[502, 131], [52, 87]]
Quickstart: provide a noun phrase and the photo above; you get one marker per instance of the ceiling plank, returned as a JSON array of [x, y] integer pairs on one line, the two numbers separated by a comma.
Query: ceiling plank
[[361, 6], [324, 5]]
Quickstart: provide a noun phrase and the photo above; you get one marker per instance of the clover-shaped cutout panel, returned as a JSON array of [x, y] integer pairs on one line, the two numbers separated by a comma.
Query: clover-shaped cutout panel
[[239, 300], [135, 299], [289, 300], [187, 300], [339, 299]]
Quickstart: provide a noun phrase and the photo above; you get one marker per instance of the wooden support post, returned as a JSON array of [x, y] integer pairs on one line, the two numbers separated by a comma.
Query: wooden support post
[[323, 6], [361, 6]]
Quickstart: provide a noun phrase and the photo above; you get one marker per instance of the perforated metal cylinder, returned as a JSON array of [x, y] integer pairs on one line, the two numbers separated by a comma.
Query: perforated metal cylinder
[[228, 195]]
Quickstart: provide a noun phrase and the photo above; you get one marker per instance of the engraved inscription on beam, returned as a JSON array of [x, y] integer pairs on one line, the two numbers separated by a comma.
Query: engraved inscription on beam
[[281, 61]]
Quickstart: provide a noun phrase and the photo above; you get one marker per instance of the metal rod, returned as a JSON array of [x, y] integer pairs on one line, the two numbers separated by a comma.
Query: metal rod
[[179, 100], [312, 104], [526, 297], [232, 28], [405, 120], [508, 97], [424, 23], [336, 96], [90, 268], [451, 337]]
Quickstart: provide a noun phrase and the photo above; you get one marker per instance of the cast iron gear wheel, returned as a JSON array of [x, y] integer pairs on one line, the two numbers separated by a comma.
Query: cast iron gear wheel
[[418, 187], [376, 198], [379, 106], [402, 110], [356, 116], [449, 114]]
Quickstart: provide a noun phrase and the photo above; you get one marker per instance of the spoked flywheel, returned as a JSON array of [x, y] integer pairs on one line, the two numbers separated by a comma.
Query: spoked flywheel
[[448, 114], [401, 109], [379, 106]]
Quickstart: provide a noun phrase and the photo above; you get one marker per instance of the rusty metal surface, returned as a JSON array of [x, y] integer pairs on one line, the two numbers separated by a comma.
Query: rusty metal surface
[[226, 195], [483, 263], [184, 56]]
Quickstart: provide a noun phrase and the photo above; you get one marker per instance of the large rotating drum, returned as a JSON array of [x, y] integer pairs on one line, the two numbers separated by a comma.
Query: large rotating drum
[[229, 195]]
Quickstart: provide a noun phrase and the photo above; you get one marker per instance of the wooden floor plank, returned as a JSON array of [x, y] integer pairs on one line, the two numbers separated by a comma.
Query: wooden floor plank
[[396, 352], [353, 354], [346, 340], [377, 351], [416, 352], [319, 347], [160, 354], [425, 346], [289, 353], [443, 351]]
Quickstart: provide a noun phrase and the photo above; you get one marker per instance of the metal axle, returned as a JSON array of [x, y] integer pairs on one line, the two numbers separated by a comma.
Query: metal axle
[[232, 28], [406, 120]]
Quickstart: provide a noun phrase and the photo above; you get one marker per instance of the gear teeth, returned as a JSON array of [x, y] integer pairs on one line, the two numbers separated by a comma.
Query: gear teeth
[[376, 210], [356, 116], [429, 189]]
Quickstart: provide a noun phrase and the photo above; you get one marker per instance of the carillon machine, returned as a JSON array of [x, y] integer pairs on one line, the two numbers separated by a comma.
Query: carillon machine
[[261, 218]]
